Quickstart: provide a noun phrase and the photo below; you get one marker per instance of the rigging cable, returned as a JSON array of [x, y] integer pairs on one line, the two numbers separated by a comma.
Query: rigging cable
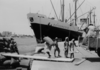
[[50, 13], [90, 3], [91, 11], [76, 9], [81, 9], [60, 10], [54, 9], [86, 13]]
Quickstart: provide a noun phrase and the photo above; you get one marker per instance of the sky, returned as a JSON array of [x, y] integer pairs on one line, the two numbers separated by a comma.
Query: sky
[[13, 13]]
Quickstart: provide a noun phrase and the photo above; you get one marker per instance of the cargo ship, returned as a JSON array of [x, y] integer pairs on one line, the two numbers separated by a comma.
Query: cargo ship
[[44, 26]]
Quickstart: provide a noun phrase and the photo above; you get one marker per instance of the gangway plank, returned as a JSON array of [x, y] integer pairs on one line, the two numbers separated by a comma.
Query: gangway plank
[[35, 57]]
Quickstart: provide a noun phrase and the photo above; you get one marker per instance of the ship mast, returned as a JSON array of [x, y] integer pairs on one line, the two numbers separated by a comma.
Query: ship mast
[[76, 12], [62, 8], [90, 16], [70, 12], [94, 18]]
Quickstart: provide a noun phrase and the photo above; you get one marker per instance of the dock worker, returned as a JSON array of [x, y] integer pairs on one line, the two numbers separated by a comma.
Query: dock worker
[[56, 48], [72, 45], [66, 46], [49, 43], [89, 33], [13, 46]]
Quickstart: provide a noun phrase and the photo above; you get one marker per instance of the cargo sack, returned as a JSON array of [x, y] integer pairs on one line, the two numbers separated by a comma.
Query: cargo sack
[[49, 42]]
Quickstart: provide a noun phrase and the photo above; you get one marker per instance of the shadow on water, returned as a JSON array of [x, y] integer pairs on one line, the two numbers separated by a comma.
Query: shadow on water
[[93, 59]]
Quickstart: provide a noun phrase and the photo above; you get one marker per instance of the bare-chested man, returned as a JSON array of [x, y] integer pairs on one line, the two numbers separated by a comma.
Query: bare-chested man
[[49, 43]]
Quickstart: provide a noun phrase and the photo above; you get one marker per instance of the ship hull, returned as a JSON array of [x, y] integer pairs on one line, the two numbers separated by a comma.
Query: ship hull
[[41, 30]]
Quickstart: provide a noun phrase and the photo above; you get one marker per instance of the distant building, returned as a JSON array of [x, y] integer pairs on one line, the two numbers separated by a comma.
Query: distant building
[[6, 33]]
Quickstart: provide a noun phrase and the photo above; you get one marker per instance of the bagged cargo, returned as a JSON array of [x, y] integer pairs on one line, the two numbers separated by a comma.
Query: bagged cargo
[[48, 40]]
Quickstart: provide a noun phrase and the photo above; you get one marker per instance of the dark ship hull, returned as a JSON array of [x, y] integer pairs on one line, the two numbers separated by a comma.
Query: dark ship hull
[[43, 26]]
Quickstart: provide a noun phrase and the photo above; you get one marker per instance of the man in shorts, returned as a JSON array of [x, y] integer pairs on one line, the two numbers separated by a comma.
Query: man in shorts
[[56, 48], [66, 46]]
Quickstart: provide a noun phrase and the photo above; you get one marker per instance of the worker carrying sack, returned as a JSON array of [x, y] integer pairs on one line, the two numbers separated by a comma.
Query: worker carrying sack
[[49, 42]]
